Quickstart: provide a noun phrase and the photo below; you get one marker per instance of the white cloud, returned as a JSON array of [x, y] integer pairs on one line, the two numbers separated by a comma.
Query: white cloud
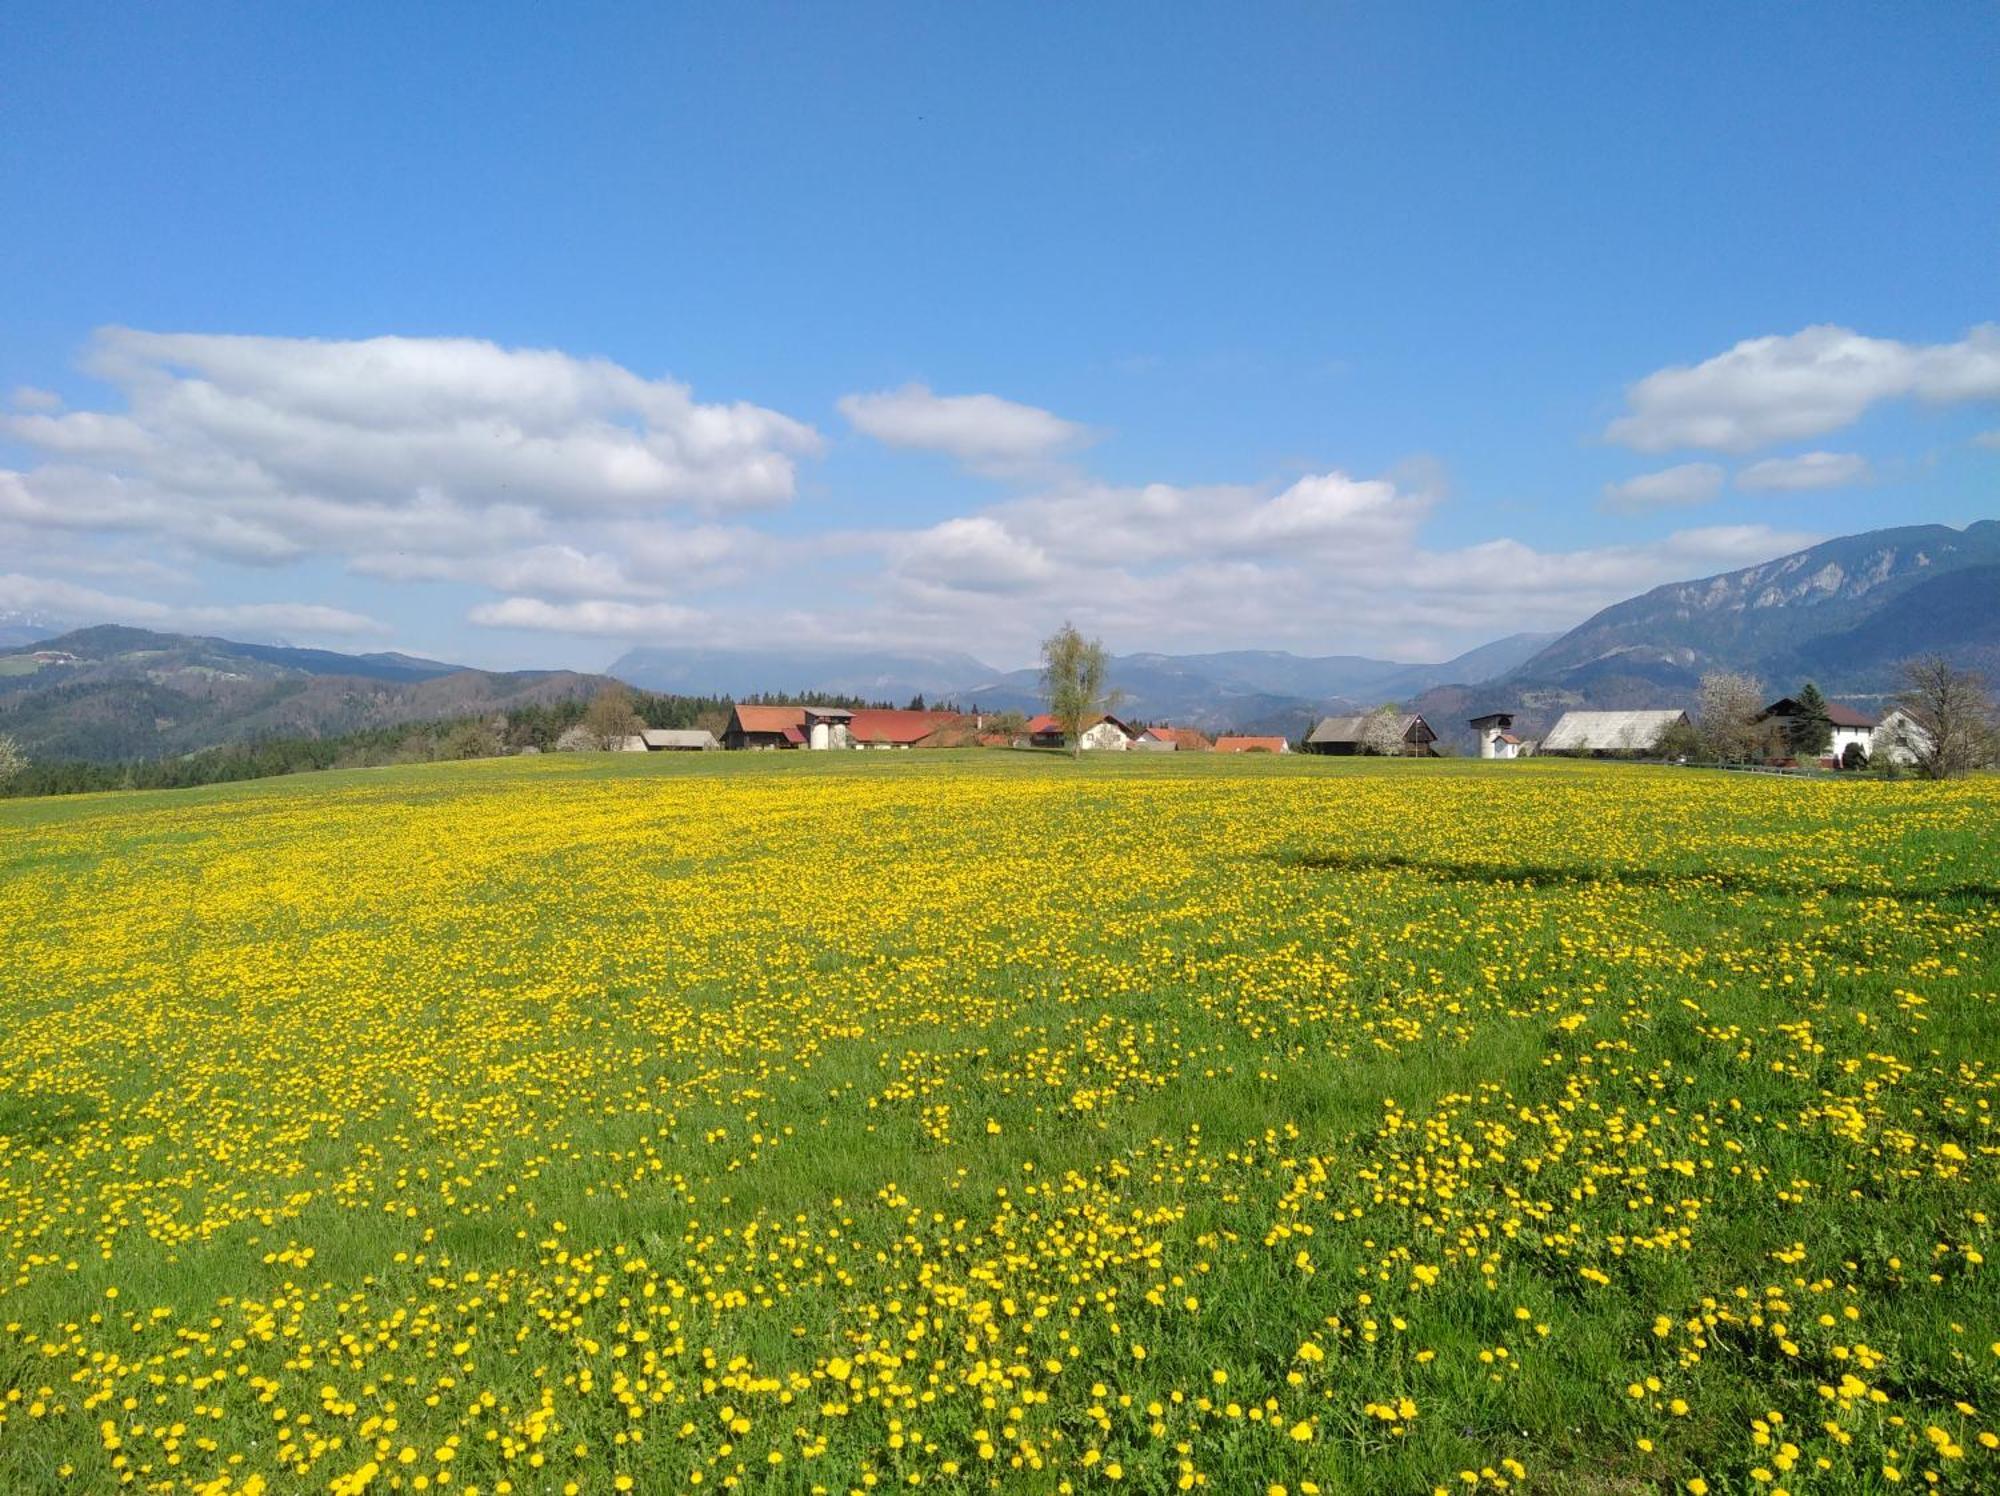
[[1680, 487], [1808, 470], [976, 553], [270, 449], [598, 617], [28, 397], [67, 600], [983, 431], [1778, 389]]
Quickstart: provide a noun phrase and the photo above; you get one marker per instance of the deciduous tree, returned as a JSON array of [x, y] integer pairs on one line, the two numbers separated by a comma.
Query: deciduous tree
[[1729, 729], [610, 719], [1953, 717], [1074, 672], [1382, 733]]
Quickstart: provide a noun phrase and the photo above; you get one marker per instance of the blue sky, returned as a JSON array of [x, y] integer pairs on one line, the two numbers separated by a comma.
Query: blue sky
[[515, 334]]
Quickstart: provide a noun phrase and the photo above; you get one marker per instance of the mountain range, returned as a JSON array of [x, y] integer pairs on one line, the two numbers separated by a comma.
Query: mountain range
[[1843, 614], [110, 693]]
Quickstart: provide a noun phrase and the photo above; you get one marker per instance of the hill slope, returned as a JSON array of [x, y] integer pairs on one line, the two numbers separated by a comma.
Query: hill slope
[[110, 693], [1845, 611]]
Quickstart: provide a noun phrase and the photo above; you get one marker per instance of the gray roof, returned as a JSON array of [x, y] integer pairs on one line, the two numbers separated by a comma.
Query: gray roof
[[679, 737], [1352, 729], [1609, 732]]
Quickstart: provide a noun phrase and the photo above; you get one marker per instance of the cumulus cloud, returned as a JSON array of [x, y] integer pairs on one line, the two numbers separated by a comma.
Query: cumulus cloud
[[29, 594], [1680, 487], [1808, 470], [275, 448], [1769, 390], [983, 431]]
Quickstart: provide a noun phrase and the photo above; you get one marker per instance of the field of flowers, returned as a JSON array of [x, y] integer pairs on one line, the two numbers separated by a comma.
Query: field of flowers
[[971, 1122]]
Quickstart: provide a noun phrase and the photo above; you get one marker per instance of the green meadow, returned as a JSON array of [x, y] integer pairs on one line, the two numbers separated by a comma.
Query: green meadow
[[993, 1121]]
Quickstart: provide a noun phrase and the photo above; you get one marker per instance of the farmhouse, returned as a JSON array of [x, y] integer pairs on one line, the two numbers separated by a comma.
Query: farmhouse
[[1184, 739], [1348, 736], [1611, 734], [884, 728], [1897, 739], [1105, 733], [765, 727], [1850, 727], [1252, 745]]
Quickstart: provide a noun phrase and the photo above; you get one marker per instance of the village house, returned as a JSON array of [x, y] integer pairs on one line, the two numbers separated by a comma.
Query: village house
[[1851, 728], [1897, 739], [1252, 745], [1105, 733], [881, 727], [1348, 736], [765, 727], [1611, 734], [1184, 739]]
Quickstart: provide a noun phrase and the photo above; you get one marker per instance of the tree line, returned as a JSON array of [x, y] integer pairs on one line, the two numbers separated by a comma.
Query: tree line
[[538, 728]]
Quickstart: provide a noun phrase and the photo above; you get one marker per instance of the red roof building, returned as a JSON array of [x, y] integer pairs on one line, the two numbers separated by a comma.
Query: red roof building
[[765, 727], [1252, 745], [870, 727]]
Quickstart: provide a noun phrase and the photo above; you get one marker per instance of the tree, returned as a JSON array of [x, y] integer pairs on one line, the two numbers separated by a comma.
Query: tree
[[1073, 682], [1730, 706], [1953, 717], [472, 738], [1382, 733], [12, 761], [916, 703], [1809, 733], [610, 720]]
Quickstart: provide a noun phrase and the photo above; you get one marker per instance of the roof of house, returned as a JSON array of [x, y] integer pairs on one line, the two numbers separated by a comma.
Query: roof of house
[[769, 718], [1508, 737], [795, 735], [1047, 723], [895, 726], [1493, 719], [1252, 745], [1609, 732], [678, 737], [1187, 739], [1837, 713], [1354, 729]]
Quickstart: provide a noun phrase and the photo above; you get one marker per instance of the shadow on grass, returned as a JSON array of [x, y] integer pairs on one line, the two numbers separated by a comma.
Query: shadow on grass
[[1728, 880]]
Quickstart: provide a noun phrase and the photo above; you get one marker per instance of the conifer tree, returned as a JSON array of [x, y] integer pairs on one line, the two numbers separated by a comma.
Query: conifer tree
[[1810, 732]]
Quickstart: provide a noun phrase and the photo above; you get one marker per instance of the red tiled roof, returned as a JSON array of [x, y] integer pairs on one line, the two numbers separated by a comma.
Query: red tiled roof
[[888, 726], [770, 718], [1847, 716], [795, 735], [1042, 724], [1187, 738], [1252, 745]]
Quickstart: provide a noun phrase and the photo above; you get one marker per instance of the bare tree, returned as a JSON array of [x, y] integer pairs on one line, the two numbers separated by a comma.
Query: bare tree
[[1382, 733], [12, 761], [1730, 705], [1953, 718], [1073, 682], [609, 719]]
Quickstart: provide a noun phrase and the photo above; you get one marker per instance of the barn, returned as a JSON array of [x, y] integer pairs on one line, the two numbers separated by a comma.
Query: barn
[[1349, 736], [1611, 734]]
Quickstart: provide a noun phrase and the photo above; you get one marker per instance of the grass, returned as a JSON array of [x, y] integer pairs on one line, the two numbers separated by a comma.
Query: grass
[[837, 1122]]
